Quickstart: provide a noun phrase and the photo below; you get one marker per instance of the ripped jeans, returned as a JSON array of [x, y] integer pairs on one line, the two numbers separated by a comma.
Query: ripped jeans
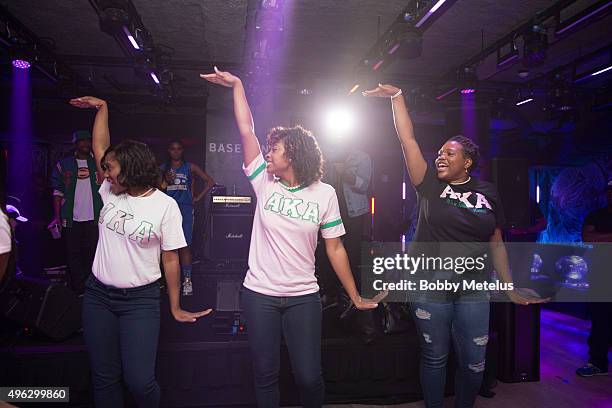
[[466, 320]]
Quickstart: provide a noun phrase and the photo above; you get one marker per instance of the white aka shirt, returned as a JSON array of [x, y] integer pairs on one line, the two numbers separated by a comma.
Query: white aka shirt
[[285, 227], [133, 232]]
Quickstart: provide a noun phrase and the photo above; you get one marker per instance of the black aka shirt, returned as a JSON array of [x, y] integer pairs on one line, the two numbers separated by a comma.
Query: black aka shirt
[[467, 212]]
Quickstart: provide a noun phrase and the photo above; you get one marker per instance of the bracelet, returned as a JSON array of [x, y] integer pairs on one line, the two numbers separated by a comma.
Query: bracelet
[[398, 93]]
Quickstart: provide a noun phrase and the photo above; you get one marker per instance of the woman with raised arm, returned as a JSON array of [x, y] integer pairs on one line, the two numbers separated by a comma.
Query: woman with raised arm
[[138, 225], [280, 294], [453, 208]]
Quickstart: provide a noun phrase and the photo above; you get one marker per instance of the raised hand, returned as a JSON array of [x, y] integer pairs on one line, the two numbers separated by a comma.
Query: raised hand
[[222, 78], [382, 91], [87, 102]]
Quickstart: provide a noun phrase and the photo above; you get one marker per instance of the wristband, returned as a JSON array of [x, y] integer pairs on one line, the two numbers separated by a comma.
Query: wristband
[[398, 93]]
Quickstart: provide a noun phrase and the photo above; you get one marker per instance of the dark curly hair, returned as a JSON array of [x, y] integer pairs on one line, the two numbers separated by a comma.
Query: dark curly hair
[[138, 165], [470, 149], [303, 150]]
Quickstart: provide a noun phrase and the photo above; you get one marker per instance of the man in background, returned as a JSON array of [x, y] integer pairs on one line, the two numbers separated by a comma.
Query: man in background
[[76, 206]]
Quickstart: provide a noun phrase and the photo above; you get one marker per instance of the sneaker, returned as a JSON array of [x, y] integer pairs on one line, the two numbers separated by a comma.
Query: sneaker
[[590, 370], [187, 287]]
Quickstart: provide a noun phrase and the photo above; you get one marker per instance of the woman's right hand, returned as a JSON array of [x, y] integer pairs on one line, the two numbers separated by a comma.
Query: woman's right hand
[[382, 91], [222, 78], [184, 316], [87, 102]]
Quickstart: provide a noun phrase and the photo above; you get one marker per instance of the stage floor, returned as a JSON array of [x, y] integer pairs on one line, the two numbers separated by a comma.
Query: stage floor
[[563, 349]]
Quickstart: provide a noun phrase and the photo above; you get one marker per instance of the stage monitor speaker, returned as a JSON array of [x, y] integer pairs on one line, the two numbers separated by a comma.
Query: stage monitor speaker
[[229, 236], [511, 176], [518, 328], [52, 309]]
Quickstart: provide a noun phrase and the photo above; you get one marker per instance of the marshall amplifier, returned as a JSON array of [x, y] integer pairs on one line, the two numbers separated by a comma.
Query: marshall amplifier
[[232, 204], [229, 235]]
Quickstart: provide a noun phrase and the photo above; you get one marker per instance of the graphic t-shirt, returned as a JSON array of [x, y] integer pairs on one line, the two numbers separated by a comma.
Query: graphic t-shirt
[[133, 232], [83, 198], [465, 215], [287, 221], [180, 187]]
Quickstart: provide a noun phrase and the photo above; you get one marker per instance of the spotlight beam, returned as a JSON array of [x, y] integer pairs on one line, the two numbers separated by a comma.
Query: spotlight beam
[[48, 63]]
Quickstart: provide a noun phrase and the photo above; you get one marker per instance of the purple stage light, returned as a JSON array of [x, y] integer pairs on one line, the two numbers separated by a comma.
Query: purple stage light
[[430, 12], [131, 38], [589, 75], [21, 64], [155, 78], [467, 91], [524, 101], [394, 48]]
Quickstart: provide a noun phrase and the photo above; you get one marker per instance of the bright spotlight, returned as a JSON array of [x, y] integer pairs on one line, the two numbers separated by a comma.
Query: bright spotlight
[[339, 121]]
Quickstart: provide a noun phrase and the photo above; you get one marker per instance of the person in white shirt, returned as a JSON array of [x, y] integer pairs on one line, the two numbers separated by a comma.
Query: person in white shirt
[[138, 225], [280, 294], [76, 205]]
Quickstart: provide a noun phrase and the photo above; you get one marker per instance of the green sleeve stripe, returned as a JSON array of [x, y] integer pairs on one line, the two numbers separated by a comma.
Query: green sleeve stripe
[[332, 224], [256, 172]]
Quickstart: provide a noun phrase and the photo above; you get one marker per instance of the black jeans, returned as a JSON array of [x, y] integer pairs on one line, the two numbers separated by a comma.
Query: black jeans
[[121, 328], [81, 240], [600, 336], [298, 319]]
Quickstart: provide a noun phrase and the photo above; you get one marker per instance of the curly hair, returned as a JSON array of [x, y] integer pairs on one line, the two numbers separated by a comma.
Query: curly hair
[[470, 149], [138, 165], [303, 150]]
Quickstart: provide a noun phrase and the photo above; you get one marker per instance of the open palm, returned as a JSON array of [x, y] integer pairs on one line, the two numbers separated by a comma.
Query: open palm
[[222, 78], [382, 91], [86, 102]]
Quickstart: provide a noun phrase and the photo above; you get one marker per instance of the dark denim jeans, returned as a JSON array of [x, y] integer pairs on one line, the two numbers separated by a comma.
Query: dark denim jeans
[[466, 321], [121, 328], [298, 319]]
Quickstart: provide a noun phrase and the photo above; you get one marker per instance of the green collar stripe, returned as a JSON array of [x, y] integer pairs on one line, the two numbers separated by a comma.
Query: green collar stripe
[[332, 223], [292, 189], [256, 172]]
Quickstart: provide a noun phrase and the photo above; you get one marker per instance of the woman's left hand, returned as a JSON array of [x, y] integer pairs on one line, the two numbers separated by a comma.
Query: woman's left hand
[[525, 296], [184, 316], [366, 304]]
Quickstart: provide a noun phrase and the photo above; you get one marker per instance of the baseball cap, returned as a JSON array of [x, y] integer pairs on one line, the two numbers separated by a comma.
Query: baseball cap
[[13, 213], [80, 134]]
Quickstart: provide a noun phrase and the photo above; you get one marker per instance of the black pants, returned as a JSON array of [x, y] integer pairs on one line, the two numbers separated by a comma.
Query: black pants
[[298, 320], [600, 337], [121, 329], [81, 240]]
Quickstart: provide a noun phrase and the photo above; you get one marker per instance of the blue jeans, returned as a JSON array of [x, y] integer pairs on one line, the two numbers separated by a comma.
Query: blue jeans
[[121, 328], [298, 319], [466, 320]]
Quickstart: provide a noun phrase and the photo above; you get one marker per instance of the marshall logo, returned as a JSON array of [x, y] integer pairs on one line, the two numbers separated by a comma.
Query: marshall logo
[[234, 236]]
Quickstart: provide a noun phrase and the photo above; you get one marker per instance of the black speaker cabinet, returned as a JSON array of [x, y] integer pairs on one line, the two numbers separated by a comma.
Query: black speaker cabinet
[[511, 176], [229, 236], [518, 328], [52, 309]]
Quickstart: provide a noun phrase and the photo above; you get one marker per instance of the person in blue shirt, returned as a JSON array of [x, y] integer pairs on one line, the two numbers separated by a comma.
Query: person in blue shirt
[[178, 182]]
